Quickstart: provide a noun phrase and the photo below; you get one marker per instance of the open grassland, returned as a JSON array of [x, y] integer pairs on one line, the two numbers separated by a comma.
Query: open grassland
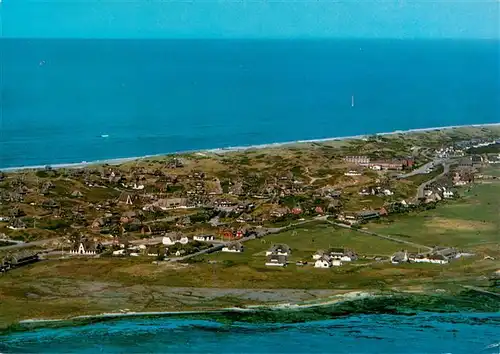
[[471, 223]]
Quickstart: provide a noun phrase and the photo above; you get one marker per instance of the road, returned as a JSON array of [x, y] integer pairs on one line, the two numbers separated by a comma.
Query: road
[[29, 244], [422, 169]]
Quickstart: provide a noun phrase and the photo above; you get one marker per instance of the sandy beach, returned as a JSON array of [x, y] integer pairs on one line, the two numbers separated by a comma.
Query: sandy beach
[[222, 150]]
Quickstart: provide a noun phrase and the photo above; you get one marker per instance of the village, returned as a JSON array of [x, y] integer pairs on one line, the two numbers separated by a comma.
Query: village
[[178, 208]]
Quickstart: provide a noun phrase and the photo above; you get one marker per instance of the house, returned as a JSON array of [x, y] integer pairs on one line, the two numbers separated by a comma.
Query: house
[[399, 257], [98, 223], [319, 254], [387, 165], [367, 214], [466, 162], [17, 224], [447, 194], [352, 173], [318, 210], [77, 194], [17, 260], [279, 212], [120, 252], [449, 252], [280, 250], [86, 247], [323, 262], [171, 203], [154, 251], [203, 238], [23, 258], [127, 199], [342, 254], [127, 217], [418, 258], [233, 247], [276, 260], [244, 217], [438, 259], [358, 160], [174, 237]]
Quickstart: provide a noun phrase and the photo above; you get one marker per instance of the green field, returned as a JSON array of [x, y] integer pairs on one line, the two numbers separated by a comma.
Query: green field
[[305, 241], [471, 223]]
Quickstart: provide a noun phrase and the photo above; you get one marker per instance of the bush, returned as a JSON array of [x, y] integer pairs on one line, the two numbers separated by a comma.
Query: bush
[[228, 263]]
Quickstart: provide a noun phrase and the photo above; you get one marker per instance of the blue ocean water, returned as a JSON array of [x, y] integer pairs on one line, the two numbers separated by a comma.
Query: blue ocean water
[[422, 333], [58, 96]]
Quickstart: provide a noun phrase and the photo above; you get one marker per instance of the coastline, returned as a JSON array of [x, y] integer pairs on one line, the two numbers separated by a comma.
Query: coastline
[[336, 299], [353, 303], [221, 150]]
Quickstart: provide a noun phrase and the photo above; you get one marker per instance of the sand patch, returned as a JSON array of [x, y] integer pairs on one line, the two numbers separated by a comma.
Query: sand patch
[[458, 225]]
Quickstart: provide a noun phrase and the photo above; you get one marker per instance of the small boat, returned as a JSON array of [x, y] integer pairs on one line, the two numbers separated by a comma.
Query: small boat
[[104, 136], [352, 101]]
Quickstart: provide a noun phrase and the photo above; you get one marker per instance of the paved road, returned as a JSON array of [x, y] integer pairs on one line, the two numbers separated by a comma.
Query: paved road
[[29, 244], [390, 238], [422, 169]]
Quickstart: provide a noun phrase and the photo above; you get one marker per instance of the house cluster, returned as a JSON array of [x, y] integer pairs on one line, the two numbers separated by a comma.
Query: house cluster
[[436, 193], [438, 255], [378, 191], [462, 178], [18, 259], [396, 164], [333, 257], [278, 255]]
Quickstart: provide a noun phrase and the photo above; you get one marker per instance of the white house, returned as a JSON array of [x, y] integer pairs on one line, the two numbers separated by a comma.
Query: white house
[[419, 259], [84, 247], [119, 252], [234, 247], [203, 238], [352, 173], [279, 250], [448, 194], [173, 238], [438, 259], [336, 262], [275, 260], [341, 254], [323, 262], [399, 257], [388, 192], [318, 255]]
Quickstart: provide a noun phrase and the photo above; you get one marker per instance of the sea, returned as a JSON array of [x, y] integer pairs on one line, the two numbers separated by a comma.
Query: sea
[[72, 100], [424, 332]]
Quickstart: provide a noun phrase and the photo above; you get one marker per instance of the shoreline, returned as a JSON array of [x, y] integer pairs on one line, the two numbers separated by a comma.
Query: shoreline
[[221, 150], [335, 299]]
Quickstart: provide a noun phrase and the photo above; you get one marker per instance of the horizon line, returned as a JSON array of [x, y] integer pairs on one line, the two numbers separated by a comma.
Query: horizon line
[[261, 38]]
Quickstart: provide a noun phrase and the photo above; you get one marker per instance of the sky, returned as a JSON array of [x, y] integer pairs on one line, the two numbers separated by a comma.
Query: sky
[[250, 19]]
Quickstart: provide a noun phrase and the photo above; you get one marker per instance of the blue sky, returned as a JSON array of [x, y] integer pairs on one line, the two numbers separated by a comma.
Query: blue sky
[[243, 19]]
